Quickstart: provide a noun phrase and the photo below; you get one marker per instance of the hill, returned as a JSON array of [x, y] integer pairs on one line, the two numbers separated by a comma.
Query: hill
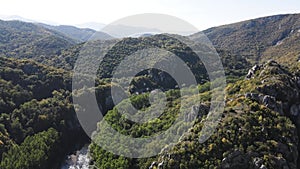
[[26, 40], [259, 127], [260, 124], [35, 110], [78, 34], [258, 40]]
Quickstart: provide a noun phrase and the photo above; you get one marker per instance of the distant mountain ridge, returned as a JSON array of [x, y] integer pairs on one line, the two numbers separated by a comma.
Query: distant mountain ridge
[[260, 39], [41, 42], [91, 25], [27, 40], [257, 40], [79, 34], [15, 18], [259, 127]]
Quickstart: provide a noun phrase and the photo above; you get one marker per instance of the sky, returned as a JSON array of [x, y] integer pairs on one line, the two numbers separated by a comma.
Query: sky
[[202, 14]]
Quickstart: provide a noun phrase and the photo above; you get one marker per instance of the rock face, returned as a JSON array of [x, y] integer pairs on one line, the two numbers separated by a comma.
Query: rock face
[[196, 112], [252, 71], [295, 110], [258, 162], [160, 165], [152, 80], [280, 91], [267, 100], [274, 88], [236, 159], [153, 164], [271, 103]]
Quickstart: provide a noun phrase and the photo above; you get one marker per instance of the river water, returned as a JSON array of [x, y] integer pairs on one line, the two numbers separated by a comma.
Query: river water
[[78, 160]]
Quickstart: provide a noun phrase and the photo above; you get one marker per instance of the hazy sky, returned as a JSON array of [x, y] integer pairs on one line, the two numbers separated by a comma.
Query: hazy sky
[[201, 13]]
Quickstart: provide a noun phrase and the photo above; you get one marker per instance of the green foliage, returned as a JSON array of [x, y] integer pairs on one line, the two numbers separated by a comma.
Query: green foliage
[[259, 40], [248, 129], [253, 133], [34, 98], [35, 116], [12, 96], [27, 40], [37, 120], [39, 80], [35, 152], [107, 160]]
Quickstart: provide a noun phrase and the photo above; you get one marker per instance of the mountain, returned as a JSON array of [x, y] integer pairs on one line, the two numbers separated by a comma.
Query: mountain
[[20, 18], [259, 127], [258, 40], [121, 31], [15, 18], [79, 34], [37, 120], [26, 40], [246, 43], [91, 25]]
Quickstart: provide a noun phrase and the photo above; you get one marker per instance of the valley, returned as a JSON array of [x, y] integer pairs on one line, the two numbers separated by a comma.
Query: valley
[[259, 127]]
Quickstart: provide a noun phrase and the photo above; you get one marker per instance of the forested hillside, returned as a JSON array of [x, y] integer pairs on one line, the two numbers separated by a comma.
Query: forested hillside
[[26, 40], [259, 127], [257, 40], [35, 99]]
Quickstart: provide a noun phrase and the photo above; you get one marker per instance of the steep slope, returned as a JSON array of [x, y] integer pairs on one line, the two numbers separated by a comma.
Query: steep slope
[[34, 100], [286, 51], [26, 40], [234, 65], [260, 125], [253, 38], [259, 128], [239, 45]]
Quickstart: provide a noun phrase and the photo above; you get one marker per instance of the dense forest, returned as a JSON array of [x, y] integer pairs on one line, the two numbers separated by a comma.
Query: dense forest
[[259, 127]]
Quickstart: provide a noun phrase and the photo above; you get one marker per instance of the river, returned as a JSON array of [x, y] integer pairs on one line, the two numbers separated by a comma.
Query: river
[[78, 160]]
